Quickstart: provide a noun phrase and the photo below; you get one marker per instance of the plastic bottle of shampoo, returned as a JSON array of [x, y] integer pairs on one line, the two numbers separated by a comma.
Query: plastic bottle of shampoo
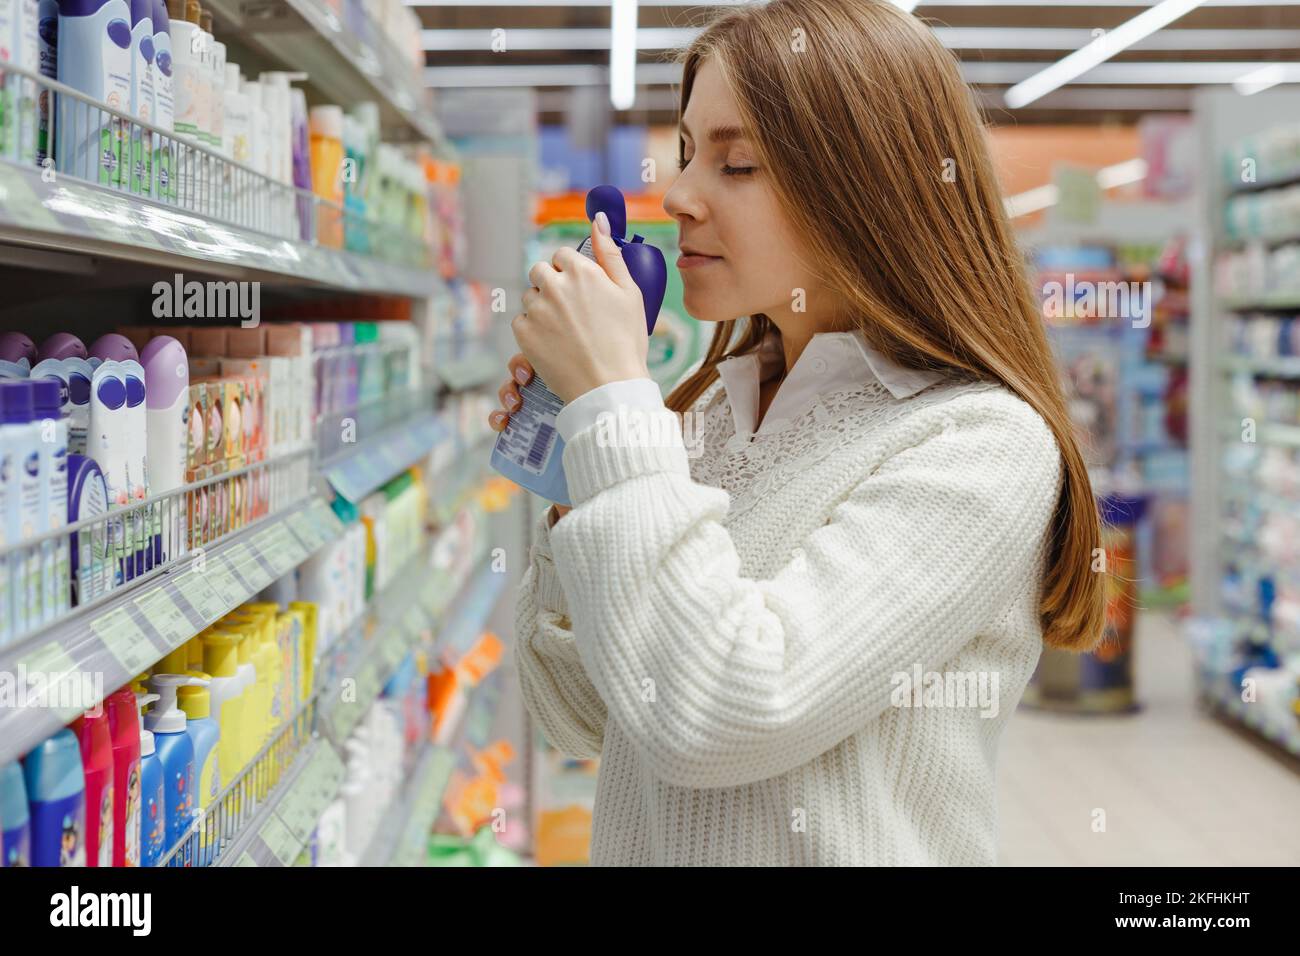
[[221, 662], [124, 728], [530, 450], [56, 793], [15, 824], [166, 721], [205, 733], [153, 802], [96, 741]]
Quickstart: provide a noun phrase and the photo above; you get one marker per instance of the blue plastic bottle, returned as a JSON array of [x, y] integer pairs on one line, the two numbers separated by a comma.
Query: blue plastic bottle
[[153, 804], [56, 793], [204, 733], [530, 451], [15, 830], [175, 752]]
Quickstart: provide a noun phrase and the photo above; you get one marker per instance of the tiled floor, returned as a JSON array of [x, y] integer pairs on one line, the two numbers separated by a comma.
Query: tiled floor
[[1176, 787]]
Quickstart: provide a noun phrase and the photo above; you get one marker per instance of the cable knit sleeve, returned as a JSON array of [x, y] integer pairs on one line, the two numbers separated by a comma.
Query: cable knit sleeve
[[555, 687], [723, 680]]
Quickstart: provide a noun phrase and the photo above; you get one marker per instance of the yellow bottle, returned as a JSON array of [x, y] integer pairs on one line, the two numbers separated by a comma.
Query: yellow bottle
[[250, 713], [257, 712], [225, 697], [309, 612], [196, 702], [266, 656], [283, 707], [177, 662]]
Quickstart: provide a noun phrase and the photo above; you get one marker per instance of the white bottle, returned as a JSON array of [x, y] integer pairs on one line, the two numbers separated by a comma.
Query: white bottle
[[51, 435], [47, 19], [139, 528], [164, 159], [188, 95], [142, 95], [237, 122], [106, 444], [22, 502], [167, 384], [24, 50]]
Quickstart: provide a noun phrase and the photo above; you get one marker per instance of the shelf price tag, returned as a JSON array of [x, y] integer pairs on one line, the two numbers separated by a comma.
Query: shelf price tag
[[220, 576], [302, 524], [312, 792], [244, 560], [196, 588], [165, 616], [279, 840], [61, 672], [125, 640], [20, 204]]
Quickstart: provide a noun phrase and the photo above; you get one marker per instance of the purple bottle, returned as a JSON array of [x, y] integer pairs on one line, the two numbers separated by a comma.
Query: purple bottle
[[530, 451], [114, 348], [62, 345]]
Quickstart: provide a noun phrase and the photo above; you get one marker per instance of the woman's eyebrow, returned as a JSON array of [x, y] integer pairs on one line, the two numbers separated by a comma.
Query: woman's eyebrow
[[721, 134]]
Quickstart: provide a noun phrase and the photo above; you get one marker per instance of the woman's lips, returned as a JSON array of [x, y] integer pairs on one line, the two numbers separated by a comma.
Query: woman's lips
[[695, 261]]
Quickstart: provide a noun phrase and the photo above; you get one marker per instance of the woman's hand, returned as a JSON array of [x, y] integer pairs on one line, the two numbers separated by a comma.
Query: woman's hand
[[521, 372], [583, 323]]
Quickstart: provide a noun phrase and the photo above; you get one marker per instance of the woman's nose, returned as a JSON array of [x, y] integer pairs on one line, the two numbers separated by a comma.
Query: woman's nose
[[682, 198]]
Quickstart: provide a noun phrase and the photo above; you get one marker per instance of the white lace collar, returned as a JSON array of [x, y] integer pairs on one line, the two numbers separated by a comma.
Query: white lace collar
[[831, 362]]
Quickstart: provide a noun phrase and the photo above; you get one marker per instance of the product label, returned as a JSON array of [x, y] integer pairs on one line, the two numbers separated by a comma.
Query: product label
[[59, 831], [155, 827], [178, 787], [131, 836], [105, 832], [530, 438], [17, 847]]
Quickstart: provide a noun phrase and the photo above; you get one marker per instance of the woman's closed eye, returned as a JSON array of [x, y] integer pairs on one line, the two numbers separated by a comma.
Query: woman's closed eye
[[727, 170]]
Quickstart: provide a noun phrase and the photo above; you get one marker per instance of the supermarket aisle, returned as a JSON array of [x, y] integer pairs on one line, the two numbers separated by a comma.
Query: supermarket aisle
[[1178, 788]]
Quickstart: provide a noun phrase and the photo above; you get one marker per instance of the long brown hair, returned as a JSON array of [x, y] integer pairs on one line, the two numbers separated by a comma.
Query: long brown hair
[[877, 153]]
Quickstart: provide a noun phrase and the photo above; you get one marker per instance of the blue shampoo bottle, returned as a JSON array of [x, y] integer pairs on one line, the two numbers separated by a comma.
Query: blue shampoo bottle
[[15, 827], [153, 803], [175, 750], [530, 451], [56, 791]]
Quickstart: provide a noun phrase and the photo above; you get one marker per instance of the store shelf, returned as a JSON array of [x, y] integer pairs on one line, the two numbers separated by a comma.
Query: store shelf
[[72, 216], [401, 838], [282, 825], [1266, 433], [1279, 367], [1273, 182], [346, 62], [1281, 302], [109, 643], [471, 371], [276, 834], [365, 466], [1227, 703]]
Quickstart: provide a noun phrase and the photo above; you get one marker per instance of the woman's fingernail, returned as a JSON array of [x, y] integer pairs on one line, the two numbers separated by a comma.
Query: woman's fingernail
[[602, 223], [495, 418], [511, 402], [521, 374]]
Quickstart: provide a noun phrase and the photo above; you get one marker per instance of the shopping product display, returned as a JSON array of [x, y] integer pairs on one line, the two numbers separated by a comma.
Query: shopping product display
[[530, 450]]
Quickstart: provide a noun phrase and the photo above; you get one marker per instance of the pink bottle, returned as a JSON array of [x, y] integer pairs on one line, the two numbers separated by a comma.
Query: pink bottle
[[97, 763], [124, 730]]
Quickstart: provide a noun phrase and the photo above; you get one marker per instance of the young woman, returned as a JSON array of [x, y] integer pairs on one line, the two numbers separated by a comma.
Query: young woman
[[793, 610]]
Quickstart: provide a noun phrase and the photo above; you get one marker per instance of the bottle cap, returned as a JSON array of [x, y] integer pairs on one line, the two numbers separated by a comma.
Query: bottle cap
[[15, 402], [326, 121], [146, 735], [195, 700], [47, 398], [167, 717], [221, 653]]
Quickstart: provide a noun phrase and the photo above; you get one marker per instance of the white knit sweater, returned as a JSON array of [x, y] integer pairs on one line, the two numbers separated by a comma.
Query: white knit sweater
[[736, 628]]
